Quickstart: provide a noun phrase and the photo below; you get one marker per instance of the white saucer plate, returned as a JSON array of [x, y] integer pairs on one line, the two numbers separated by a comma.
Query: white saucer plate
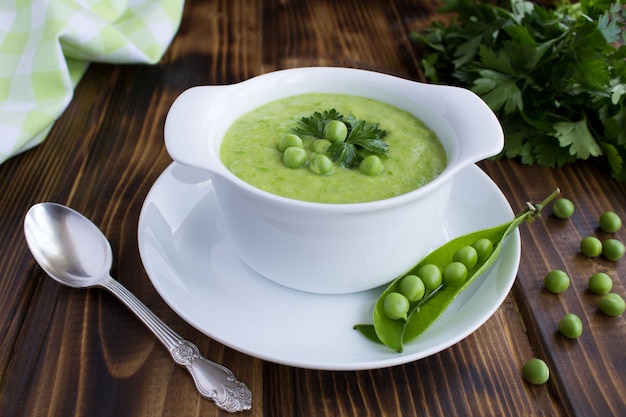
[[194, 269]]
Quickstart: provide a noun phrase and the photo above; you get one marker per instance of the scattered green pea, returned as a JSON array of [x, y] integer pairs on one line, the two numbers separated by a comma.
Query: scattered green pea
[[467, 255], [613, 249], [431, 276], [536, 371], [412, 287], [610, 222], [288, 141], [612, 304], [336, 131], [484, 248], [320, 145], [321, 165], [294, 157], [571, 326], [371, 165], [556, 281], [591, 246], [600, 283], [563, 208], [396, 306], [454, 274]]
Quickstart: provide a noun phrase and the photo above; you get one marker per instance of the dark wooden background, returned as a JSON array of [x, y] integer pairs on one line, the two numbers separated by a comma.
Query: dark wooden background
[[66, 352]]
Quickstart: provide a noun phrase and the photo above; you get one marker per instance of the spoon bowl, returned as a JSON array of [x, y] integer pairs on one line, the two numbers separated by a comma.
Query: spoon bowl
[[69, 247], [73, 251]]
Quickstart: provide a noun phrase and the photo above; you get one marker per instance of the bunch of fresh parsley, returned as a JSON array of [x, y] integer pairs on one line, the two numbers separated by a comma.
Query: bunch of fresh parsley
[[361, 135], [555, 76]]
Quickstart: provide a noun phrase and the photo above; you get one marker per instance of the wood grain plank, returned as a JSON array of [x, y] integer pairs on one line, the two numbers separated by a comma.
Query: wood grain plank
[[587, 372], [357, 34]]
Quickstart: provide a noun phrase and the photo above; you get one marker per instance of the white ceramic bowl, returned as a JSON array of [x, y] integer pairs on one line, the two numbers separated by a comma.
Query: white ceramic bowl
[[330, 248]]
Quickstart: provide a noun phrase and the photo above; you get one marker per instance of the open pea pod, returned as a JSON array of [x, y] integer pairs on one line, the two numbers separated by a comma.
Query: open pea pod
[[423, 313]]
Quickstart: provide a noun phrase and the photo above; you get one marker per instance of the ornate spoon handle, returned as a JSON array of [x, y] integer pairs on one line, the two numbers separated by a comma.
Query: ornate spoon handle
[[213, 380]]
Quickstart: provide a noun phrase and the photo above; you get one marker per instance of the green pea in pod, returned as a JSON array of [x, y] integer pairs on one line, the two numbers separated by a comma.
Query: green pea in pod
[[394, 333]]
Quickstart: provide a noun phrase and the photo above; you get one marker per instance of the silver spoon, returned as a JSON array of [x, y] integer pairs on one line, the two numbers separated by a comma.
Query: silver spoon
[[73, 251]]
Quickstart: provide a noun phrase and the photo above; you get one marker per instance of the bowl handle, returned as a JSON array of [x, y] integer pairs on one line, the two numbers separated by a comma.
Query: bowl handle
[[471, 118], [187, 124]]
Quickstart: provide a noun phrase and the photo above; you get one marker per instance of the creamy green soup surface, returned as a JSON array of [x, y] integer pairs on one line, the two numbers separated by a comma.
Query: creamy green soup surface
[[250, 151]]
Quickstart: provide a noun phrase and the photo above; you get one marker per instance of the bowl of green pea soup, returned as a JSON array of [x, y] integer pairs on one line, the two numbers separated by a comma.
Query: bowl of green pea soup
[[331, 180]]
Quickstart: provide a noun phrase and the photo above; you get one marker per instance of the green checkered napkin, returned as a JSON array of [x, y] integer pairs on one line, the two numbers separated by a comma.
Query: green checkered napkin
[[46, 46]]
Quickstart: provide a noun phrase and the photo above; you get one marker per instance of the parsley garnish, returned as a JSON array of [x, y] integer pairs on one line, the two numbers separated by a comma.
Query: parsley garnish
[[314, 125], [361, 135], [556, 77]]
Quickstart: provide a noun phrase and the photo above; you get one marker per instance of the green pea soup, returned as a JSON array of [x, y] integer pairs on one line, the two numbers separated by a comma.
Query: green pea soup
[[250, 151]]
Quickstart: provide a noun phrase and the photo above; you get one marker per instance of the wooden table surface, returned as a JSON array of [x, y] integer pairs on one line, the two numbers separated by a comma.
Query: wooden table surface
[[67, 352]]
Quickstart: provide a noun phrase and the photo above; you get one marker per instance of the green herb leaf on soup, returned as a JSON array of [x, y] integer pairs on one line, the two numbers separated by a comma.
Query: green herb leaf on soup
[[314, 125], [361, 136]]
